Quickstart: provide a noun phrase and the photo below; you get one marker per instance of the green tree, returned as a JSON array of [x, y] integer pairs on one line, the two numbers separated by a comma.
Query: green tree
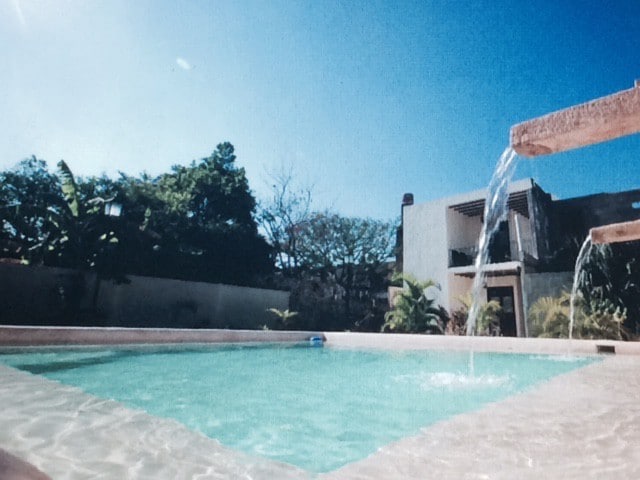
[[415, 310], [351, 251], [195, 222], [27, 192], [283, 216], [81, 233], [46, 219]]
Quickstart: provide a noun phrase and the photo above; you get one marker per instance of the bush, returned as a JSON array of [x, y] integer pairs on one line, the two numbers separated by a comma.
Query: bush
[[601, 319], [487, 323], [414, 311]]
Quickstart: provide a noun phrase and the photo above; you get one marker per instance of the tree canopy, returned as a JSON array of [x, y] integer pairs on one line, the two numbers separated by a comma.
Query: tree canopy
[[194, 222]]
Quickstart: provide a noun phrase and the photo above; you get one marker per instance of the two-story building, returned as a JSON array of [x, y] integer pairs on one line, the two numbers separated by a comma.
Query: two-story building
[[531, 255]]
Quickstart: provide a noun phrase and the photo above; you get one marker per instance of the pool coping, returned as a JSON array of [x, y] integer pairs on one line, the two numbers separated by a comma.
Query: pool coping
[[21, 336], [577, 425], [552, 346], [91, 437], [602, 386]]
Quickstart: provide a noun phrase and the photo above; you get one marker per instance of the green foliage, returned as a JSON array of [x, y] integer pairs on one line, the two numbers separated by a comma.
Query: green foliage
[[46, 219], [596, 319], [414, 310], [81, 234], [549, 317], [352, 251], [603, 319], [283, 217], [198, 222], [487, 323], [335, 266], [69, 188], [611, 275], [27, 192], [194, 222]]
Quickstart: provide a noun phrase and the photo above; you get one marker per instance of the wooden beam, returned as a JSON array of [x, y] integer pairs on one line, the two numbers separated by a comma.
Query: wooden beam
[[616, 232], [596, 121]]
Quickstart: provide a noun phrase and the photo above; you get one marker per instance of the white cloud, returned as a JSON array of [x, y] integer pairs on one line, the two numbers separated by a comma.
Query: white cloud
[[183, 64]]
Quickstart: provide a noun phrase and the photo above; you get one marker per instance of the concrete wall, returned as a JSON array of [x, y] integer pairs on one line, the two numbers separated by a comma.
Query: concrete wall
[[46, 296], [40, 295], [462, 231], [425, 243], [458, 287], [603, 208]]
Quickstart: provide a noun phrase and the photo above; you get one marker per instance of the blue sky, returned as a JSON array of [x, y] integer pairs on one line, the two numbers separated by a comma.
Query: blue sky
[[365, 100]]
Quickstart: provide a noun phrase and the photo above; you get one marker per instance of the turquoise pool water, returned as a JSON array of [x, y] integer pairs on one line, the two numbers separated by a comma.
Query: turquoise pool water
[[317, 408]]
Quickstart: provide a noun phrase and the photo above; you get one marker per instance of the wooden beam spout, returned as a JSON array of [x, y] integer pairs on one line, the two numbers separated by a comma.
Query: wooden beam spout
[[596, 121], [616, 232]]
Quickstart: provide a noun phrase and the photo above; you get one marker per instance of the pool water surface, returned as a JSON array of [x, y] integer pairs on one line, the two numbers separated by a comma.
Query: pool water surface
[[316, 408]]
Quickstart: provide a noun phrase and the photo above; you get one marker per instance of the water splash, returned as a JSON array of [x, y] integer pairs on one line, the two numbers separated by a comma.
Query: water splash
[[446, 380], [495, 211], [582, 255]]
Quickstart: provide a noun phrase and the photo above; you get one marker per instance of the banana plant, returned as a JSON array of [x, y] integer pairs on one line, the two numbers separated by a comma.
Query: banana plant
[[284, 316], [80, 234]]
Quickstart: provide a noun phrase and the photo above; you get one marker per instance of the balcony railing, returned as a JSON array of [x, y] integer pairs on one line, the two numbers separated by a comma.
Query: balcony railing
[[465, 256]]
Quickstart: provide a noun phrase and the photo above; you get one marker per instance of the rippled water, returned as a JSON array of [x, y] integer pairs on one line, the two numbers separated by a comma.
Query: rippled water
[[318, 409]]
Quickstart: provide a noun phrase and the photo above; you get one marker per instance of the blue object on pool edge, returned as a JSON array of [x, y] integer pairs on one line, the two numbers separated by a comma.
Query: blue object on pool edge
[[315, 341]]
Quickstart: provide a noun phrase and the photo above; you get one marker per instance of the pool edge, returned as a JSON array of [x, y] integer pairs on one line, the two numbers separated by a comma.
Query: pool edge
[[20, 336]]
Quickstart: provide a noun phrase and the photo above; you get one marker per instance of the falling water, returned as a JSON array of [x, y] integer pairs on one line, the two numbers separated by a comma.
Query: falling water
[[495, 211], [582, 255]]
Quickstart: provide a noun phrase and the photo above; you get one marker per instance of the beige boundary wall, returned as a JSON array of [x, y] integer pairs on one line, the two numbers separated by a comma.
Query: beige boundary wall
[[55, 296]]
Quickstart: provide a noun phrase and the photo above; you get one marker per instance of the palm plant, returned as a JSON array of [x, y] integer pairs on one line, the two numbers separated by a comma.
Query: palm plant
[[414, 310], [284, 316], [549, 316], [488, 321], [595, 319]]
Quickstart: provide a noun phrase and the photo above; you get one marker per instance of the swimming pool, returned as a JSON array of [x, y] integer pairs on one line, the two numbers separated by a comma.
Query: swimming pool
[[317, 408]]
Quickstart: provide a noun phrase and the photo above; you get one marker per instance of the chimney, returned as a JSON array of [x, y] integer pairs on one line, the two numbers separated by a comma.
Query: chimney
[[407, 199]]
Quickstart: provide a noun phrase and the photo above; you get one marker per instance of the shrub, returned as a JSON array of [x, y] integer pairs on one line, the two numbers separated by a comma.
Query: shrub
[[414, 311], [487, 323], [597, 319]]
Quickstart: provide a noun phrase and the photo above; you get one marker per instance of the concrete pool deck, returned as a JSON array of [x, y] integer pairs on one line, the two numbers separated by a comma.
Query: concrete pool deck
[[582, 424]]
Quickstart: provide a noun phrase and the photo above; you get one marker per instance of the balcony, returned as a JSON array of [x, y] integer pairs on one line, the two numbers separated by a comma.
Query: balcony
[[499, 252]]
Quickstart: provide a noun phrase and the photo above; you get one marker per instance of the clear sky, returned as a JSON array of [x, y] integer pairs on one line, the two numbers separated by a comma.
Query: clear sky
[[365, 99]]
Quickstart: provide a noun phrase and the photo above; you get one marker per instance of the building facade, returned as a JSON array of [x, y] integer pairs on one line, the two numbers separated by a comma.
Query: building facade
[[531, 254]]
